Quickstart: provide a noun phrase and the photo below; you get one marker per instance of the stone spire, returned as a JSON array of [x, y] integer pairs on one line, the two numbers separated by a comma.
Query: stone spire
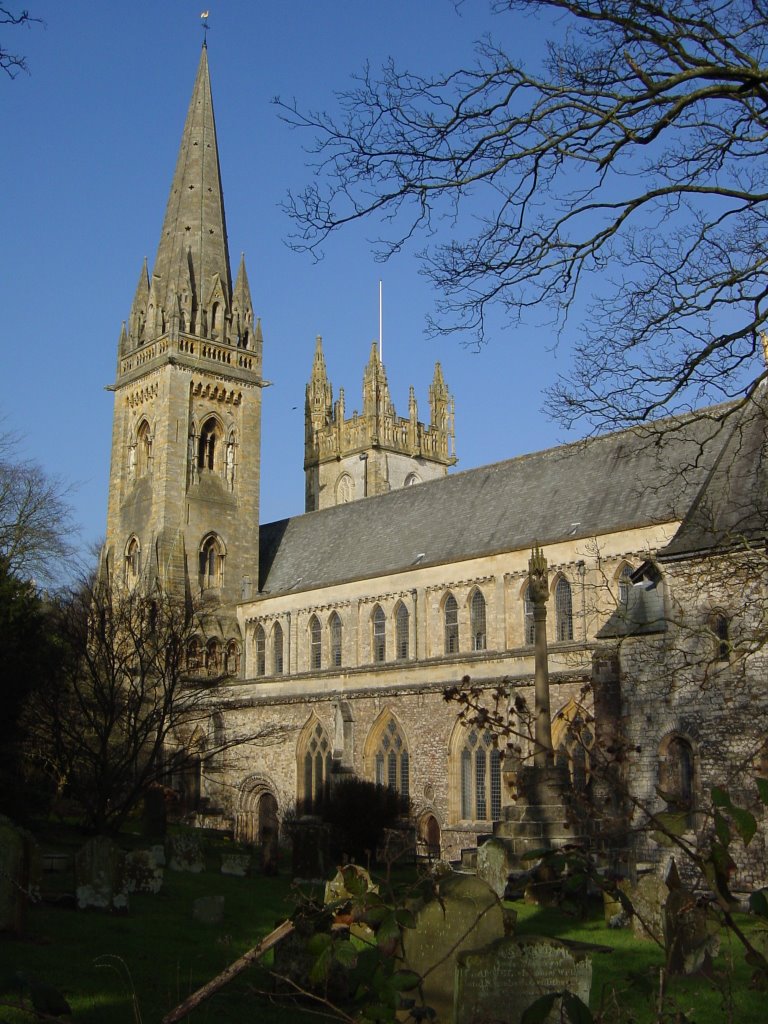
[[193, 244], [138, 317], [242, 308], [319, 395]]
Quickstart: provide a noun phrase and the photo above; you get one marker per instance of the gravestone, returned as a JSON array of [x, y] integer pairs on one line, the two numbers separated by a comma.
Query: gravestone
[[499, 983], [185, 853], [467, 915], [208, 909], [495, 862], [648, 898], [238, 864], [142, 872], [100, 876], [19, 875], [158, 852], [691, 933]]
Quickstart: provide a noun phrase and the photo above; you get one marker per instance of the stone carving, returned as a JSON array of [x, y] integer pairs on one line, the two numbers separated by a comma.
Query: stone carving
[[142, 872], [186, 853]]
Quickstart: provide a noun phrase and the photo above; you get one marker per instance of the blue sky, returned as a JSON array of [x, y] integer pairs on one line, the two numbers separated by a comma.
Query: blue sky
[[89, 144]]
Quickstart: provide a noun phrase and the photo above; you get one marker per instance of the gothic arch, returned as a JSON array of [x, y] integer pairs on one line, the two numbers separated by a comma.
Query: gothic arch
[[449, 608], [345, 489], [143, 442], [474, 774], [132, 559], [562, 593], [679, 772], [622, 582], [211, 556], [478, 619], [573, 737], [378, 634], [210, 442], [386, 753], [314, 763]]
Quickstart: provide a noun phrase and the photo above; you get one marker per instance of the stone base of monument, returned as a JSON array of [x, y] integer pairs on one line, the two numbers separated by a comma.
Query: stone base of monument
[[542, 817]]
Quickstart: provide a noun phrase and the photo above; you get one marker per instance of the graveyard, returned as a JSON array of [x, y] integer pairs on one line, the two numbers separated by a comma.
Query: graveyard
[[131, 944]]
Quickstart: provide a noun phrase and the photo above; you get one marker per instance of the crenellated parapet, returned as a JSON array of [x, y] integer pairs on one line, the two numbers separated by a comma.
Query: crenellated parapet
[[372, 451]]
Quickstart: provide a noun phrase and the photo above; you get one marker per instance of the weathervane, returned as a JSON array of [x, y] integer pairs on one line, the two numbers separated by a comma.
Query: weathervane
[[204, 25]]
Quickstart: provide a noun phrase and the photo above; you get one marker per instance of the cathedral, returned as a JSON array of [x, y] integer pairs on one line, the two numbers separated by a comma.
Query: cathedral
[[348, 623]]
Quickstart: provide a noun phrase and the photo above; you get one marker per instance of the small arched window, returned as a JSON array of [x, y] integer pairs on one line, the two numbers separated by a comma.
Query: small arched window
[[260, 651], [345, 489], [563, 610], [625, 586], [677, 782], [132, 560], [208, 445], [477, 617], [391, 759], [402, 625], [334, 626], [315, 643], [232, 659], [721, 628], [480, 764], [143, 449], [211, 563], [379, 620], [529, 626], [277, 649], [451, 621], [194, 655], [213, 657]]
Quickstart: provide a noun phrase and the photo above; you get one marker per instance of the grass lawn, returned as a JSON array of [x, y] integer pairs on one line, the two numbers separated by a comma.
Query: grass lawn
[[134, 968]]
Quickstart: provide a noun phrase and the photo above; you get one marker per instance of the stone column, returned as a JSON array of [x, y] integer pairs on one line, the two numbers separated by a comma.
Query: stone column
[[538, 592]]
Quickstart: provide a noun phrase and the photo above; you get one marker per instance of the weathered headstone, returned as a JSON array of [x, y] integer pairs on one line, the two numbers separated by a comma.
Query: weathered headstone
[[100, 876], [495, 862], [691, 933], [208, 909], [185, 853], [238, 864], [499, 983], [19, 875], [142, 872], [648, 898], [158, 852], [467, 915]]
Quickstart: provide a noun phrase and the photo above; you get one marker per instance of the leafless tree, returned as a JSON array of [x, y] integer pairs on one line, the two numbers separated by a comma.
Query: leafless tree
[[12, 63], [36, 520], [128, 713], [625, 171]]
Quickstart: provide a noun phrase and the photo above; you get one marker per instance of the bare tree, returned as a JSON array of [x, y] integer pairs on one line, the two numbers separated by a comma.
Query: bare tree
[[627, 170], [12, 63], [127, 713]]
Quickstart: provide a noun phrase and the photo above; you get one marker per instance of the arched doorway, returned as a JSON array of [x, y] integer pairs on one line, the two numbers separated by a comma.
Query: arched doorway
[[269, 833], [429, 837]]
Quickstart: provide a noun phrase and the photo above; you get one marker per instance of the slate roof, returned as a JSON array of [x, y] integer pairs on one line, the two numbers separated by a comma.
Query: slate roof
[[628, 479], [731, 508]]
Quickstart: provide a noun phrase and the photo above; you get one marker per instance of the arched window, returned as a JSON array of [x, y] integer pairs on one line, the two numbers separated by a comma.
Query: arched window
[[211, 562], [477, 617], [208, 444], [720, 627], [625, 586], [315, 643], [451, 620], [402, 624], [529, 626], [132, 560], [345, 489], [277, 649], [143, 449], [379, 634], [334, 626], [480, 776], [214, 317], [677, 783], [213, 657], [314, 767], [563, 610], [412, 479], [194, 655], [260, 651], [232, 659], [391, 763]]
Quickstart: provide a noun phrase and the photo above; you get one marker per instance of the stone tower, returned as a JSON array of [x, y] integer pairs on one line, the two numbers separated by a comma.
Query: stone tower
[[378, 451], [184, 478]]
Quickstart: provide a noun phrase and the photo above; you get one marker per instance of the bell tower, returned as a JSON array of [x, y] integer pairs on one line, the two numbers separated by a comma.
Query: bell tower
[[184, 477]]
